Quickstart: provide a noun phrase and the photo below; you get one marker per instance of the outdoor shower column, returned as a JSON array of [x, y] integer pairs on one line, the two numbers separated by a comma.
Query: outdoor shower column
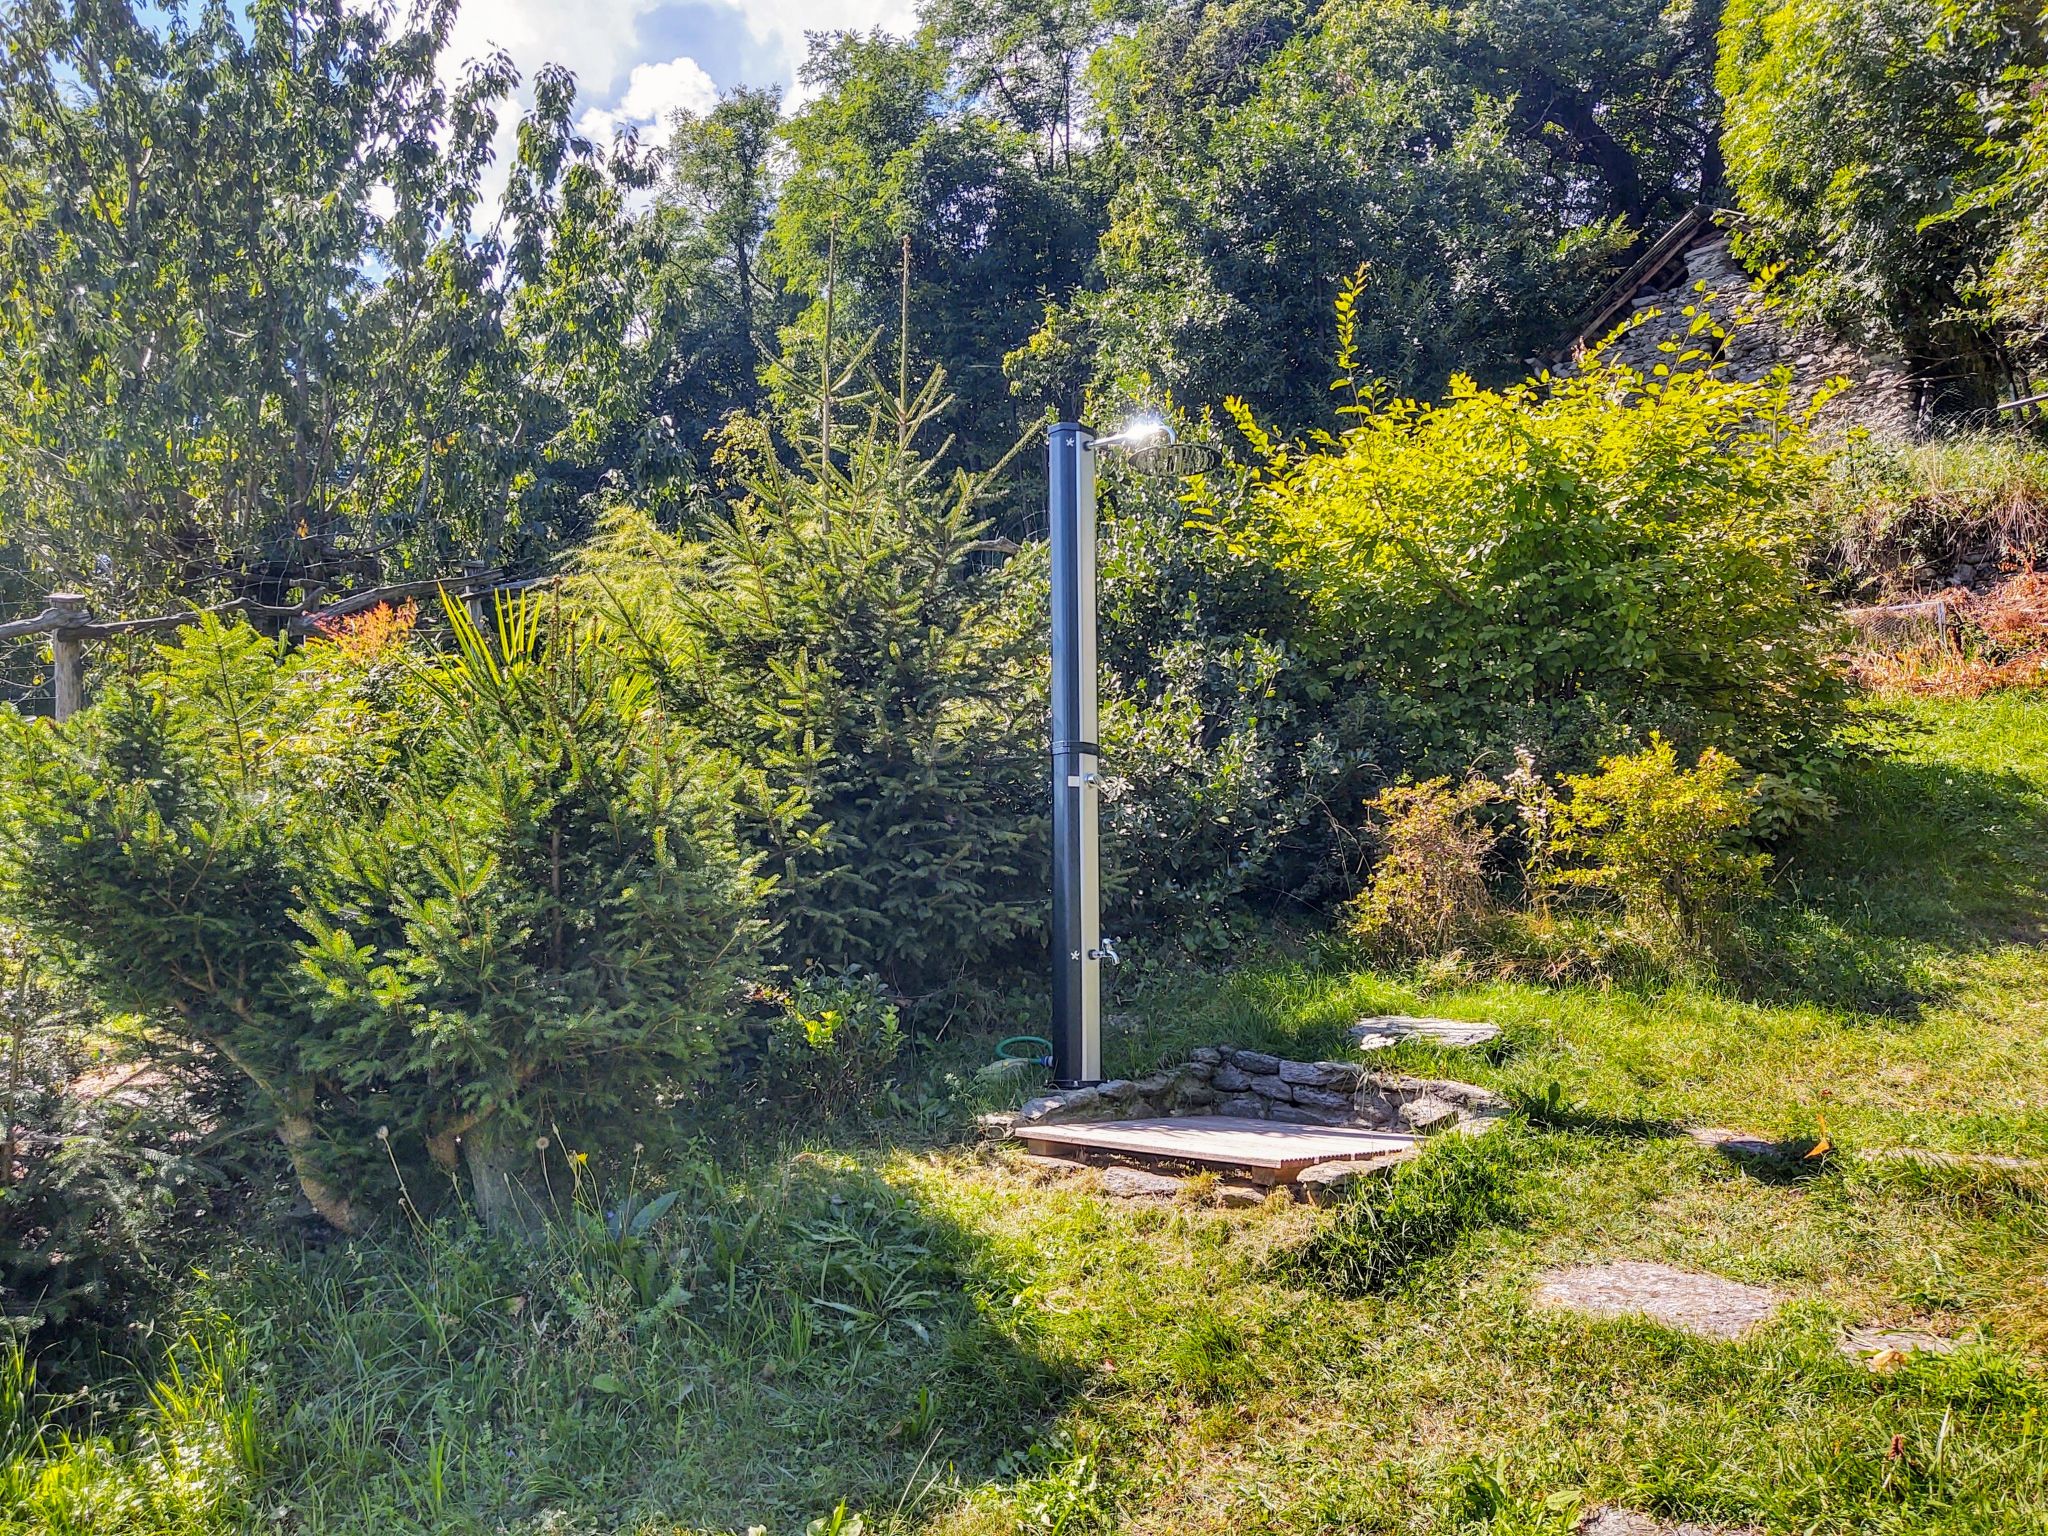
[[1077, 948]]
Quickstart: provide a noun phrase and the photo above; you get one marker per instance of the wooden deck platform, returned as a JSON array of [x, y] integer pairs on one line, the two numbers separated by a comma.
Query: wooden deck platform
[[1270, 1151]]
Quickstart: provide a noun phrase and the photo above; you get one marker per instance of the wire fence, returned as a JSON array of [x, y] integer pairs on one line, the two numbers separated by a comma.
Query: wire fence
[[43, 646]]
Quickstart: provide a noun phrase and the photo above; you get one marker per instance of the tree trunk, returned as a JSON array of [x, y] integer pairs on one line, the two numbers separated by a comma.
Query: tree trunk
[[295, 1128], [497, 1185], [298, 1135]]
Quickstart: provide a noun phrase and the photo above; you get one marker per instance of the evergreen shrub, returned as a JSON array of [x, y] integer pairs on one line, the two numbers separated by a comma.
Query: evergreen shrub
[[427, 906], [850, 634]]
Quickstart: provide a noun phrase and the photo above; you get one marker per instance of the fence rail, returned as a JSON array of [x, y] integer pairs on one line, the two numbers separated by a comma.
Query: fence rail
[[68, 620]]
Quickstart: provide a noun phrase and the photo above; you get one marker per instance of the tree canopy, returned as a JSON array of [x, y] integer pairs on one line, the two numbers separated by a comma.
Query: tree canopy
[[277, 323]]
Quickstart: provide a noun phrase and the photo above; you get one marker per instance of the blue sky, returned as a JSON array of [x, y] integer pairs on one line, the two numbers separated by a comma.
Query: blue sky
[[636, 61]]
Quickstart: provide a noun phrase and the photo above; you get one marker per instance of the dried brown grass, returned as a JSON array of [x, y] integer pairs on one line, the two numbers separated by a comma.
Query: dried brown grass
[[1956, 643]]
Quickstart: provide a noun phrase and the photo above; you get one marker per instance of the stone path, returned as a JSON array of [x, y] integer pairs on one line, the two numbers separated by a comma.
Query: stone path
[[1740, 1144], [1706, 1305], [1746, 1146], [1929, 1158], [1627, 1522], [1378, 1031]]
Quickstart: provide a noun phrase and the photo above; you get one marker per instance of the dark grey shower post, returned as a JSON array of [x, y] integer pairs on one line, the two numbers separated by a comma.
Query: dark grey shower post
[[1078, 949]]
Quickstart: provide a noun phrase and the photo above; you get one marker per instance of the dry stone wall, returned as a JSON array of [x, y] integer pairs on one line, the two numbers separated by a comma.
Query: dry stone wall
[[1223, 1080], [1881, 396]]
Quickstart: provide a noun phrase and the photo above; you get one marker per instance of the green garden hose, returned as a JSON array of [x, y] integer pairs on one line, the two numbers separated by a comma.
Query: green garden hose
[[1004, 1053]]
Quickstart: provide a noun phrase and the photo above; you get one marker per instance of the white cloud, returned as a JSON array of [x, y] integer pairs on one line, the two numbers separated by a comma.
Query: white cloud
[[599, 39], [786, 21], [654, 93]]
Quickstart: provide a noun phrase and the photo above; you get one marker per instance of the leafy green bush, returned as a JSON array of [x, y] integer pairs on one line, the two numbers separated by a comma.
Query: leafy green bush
[[424, 909], [1428, 892], [1232, 777], [1668, 843], [106, 1181], [833, 1042], [1555, 564], [844, 632]]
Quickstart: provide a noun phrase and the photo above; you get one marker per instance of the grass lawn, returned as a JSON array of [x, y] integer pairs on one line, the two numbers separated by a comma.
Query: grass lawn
[[918, 1332]]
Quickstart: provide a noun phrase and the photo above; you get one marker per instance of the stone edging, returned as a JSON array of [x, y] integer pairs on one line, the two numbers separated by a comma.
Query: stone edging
[[1223, 1080]]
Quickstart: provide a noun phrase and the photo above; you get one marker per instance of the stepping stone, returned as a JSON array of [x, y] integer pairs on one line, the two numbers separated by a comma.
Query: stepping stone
[[1927, 1157], [1893, 1343], [1136, 1184], [1238, 1192], [1706, 1305], [1627, 1522], [1740, 1144], [1378, 1031], [1327, 1183]]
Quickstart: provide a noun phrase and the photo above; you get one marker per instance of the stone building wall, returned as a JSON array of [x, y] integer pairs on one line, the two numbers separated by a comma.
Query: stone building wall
[[1881, 397]]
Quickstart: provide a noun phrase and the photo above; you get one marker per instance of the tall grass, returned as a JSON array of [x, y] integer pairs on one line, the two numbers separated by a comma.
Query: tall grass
[[188, 1462], [1900, 515]]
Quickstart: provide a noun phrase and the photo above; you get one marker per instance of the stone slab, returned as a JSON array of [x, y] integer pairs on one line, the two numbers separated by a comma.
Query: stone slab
[[1378, 1031], [1053, 1165], [1329, 1182], [1628, 1522], [1740, 1144], [1427, 1116], [1861, 1342], [1137, 1183], [1707, 1305], [1241, 1192], [1929, 1158], [1225, 1141]]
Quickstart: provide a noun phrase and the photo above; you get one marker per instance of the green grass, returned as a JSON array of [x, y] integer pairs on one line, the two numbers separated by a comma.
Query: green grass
[[931, 1335]]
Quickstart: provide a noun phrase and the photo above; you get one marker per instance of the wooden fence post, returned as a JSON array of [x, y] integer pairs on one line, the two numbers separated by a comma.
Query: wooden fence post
[[479, 601], [67, 650]]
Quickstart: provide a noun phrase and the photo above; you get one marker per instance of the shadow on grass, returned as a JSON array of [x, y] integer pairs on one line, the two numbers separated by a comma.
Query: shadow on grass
[[1800, 1160], [1544, 1109], [775, 1342], [1927, 864]]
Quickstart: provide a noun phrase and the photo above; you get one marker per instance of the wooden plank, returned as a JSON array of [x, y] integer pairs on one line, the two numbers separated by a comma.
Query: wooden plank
[[1622, 292], [1226, 1140]]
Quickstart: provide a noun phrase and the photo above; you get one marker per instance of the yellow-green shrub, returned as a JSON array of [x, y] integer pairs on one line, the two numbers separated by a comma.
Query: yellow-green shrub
[[1668, 843], [1428, 892], [1559, 565]]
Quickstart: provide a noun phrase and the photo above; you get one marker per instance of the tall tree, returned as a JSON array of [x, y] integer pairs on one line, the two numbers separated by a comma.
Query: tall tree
[[1486, 161], [901, 173], [719, 311], [1857, 142], [264, 329]]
